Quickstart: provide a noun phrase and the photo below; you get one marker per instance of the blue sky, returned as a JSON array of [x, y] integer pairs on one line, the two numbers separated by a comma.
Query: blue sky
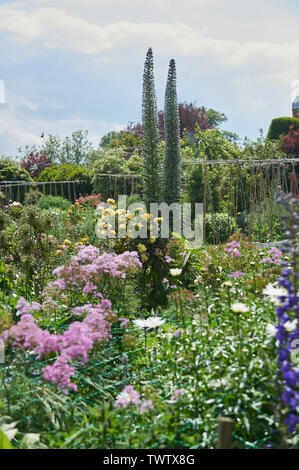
[[71, 64]]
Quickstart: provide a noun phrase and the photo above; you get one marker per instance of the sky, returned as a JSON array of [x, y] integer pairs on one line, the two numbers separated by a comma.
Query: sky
[[78, 64]]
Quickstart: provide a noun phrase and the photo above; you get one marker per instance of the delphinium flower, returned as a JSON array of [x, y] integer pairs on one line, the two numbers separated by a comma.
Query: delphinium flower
[[233, 249], [288, 314]]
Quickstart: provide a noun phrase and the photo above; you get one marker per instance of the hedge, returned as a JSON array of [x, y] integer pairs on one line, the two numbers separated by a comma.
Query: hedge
[[281, 126]]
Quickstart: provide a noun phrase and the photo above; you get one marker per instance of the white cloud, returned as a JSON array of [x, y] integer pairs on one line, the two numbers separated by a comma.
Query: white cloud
[[55, 29], [15, 131]]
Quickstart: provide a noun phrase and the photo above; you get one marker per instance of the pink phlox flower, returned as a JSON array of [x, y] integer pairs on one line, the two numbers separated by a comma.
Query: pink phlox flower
[[146, 405], [129, 396]]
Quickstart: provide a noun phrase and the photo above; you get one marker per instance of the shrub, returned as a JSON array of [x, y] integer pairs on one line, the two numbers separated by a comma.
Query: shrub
[[281, 126], [67, 172], [223, 227], [10, 171], [48, 202]]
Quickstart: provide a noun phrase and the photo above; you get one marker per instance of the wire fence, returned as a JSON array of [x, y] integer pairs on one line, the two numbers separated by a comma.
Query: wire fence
[[243, 192], [34, 404]]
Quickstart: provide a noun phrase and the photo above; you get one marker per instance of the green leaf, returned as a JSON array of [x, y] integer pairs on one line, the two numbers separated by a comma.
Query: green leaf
[[4, 442]]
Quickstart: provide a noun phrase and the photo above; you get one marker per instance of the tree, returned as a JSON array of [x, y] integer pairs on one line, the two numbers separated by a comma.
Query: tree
[[290, 142], [290, 145], [36, 163], [194, 118], [172, 158], [151, 159]]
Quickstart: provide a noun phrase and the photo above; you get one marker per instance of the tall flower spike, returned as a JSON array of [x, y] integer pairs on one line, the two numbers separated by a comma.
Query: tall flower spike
[[288, 314], [172, 158], [151, 140]]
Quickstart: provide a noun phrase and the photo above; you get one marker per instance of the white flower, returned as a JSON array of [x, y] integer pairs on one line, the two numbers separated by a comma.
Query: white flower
[[140, 323], [175, 272], [291, 326], [151, 322], [154, 322], [238, 307], [271, 329], [274, 292]]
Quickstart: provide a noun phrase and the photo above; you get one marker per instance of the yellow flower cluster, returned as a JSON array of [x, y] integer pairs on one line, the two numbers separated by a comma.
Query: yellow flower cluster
[[82, 241]]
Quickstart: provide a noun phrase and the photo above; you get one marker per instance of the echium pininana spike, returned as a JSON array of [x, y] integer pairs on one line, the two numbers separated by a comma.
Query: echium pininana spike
[[172, 158], [287, 311], [151, 140]]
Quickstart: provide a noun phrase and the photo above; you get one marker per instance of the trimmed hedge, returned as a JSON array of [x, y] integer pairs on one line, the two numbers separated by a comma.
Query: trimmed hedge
[[281, 126]]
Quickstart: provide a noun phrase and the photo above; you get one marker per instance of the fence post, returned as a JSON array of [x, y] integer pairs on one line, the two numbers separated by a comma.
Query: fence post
[[225, 428]]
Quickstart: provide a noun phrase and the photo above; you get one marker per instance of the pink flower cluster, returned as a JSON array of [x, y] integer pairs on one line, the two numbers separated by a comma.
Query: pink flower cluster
[[92, 200], [129, 396], [88, 264], [274, 256], [83, 272], [74, 343], [179, 392], [233, 248]]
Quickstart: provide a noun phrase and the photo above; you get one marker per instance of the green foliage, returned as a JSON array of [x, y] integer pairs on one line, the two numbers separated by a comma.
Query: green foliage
[[281, 126], [210, 145], [262, 149], [4, 442], [72, 150], [172, 160], [10, 171], [48, 202], [151, 157], [67, 172], [28, 246], [219, 227], [110, 162]]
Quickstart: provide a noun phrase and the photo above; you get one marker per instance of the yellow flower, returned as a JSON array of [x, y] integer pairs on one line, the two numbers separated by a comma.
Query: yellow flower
[[144, 258], [129, 216], [158, 219], [58, 252], [227, 284], [110, 201], [152, 239], [67, 242], [141, 248]]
